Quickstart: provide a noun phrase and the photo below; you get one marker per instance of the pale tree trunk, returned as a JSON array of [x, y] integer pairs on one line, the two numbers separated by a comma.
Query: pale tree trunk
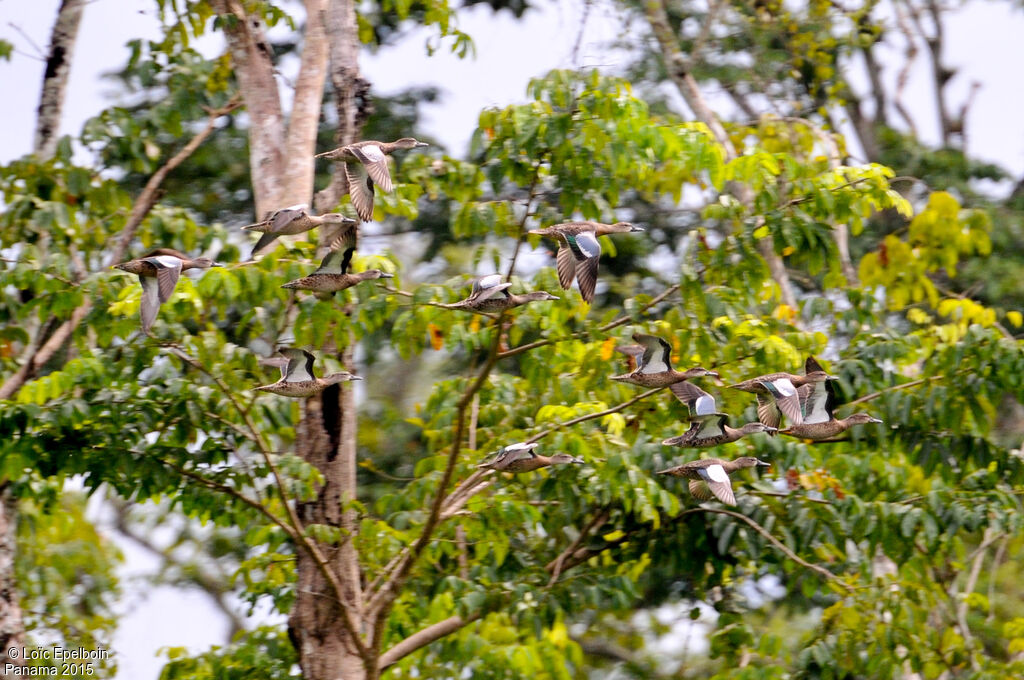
[[678, 67], [12, 628], [283, 171], [252, 57], [55, 80], [51, 103]]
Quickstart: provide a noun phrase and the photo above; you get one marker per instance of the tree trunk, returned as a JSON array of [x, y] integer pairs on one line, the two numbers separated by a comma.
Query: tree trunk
[[12, 628], [678, 67], [326, 439], [55, 80]]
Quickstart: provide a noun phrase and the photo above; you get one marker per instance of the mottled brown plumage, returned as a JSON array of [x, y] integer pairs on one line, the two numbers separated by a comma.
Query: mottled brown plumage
[[368, 156], [714, 473], [520, 457], [579, 251], [654, 365]]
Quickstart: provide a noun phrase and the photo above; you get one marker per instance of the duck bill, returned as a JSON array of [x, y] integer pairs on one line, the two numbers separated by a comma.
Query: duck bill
[[577, 461], [761, 463], [636, 228], [385, 275], [876, 420], [419, 144]]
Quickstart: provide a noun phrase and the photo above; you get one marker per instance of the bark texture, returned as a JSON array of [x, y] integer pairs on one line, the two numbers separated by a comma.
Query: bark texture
[[55, 79], [326, 439], [12, 628]]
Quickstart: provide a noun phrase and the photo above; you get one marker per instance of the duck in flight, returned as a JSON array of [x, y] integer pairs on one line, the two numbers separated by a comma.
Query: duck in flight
[[297, 377], [366, 165], [296, 219], [579, 251], [158, 273]]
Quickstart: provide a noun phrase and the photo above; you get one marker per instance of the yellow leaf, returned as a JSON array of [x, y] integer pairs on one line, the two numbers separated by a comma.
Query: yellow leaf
[[788, 250], [607, 347], [1015, 318], [436, 336]]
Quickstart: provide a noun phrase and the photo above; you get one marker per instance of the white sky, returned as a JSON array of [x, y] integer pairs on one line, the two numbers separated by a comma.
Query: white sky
[[984, 41]]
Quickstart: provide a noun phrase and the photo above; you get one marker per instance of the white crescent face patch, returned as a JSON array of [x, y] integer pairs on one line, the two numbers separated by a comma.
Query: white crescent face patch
[[716, 473]]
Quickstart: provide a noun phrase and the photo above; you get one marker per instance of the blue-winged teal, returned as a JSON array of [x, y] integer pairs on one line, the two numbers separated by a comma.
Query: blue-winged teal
[[297, 378], [714, 473], [708, 427], [521, 458], [158, 273], [817, 404], [654, 365], [372, 157], [295, 220], [332, 275], [777, 393], [829, 428], [579, 251], [490, 295]]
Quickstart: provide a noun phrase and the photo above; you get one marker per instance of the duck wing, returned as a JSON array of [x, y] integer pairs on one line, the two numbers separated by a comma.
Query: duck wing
[[697, 400], [375, 161], [149, 305], [565, 263], [657, 357], [360, 189], [586, 250], [718, 482], [335, 262], [786, 399], [300, 365], [817, 401], [168, 269], [699, 490], [285, 216], [487, 287]]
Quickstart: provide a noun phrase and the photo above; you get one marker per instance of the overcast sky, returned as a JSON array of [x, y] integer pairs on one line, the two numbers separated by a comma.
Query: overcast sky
[[984, 42]]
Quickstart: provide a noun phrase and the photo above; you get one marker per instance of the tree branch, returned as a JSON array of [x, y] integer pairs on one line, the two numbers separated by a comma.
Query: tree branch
[[143, 204], [679, 67], [424, 637]]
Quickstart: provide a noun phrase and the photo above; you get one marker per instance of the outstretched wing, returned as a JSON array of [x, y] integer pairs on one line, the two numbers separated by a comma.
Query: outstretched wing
[[487, 287], [360, 189], [697, 400], [376, 163], [284, 216], [718, 482], [657, 357], [300, 365], [168, 269], [565, 263], [587, 252]]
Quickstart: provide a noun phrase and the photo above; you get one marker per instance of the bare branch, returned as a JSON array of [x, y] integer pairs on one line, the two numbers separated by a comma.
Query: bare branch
[[424, 637], [143, 204], [679, 67]]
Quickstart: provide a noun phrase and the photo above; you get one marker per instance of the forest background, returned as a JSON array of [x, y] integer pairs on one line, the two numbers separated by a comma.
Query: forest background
[[917, 316]]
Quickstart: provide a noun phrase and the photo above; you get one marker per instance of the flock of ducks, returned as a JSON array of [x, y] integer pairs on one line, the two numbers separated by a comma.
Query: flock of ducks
[[807, 401]]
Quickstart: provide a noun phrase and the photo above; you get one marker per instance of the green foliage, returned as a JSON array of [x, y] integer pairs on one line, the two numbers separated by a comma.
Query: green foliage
[[546, 561]]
